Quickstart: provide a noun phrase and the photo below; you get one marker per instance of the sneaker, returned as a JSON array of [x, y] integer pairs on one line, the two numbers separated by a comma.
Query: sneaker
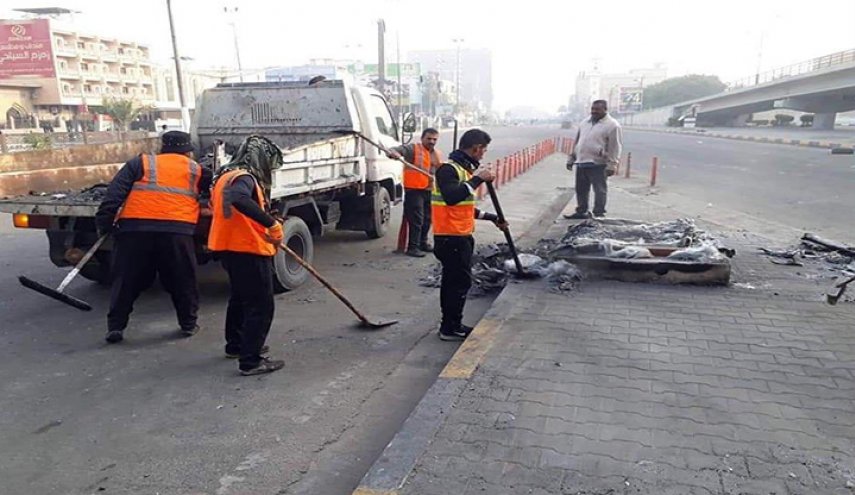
[[415, 253], [114, 336], [234, 355], [426, 248], [460, 334], [599, 215], [266, 365], [189, 332], [579, 216]]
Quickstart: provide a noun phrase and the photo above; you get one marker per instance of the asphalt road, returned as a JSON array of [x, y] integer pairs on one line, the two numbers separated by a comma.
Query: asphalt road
[[160, 414], [777, 189]]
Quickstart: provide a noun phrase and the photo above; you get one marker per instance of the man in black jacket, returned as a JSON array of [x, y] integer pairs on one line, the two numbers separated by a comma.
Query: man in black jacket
[[454, 214], [151, 208]]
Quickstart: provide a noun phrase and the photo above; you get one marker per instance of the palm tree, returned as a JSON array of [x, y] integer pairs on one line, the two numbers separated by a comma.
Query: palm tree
[[123, 112]]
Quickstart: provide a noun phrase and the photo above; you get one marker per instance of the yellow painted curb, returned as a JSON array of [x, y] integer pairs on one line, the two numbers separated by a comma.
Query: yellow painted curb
[[371, 491], [472, 351]]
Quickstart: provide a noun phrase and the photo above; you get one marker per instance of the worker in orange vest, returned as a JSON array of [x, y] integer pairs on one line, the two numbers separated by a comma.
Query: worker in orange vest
[[246, 238], [152, 207], [454, 215], [417, 189]]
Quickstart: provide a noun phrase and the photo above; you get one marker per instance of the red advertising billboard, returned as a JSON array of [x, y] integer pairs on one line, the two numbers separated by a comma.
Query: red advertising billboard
[[25, 49]]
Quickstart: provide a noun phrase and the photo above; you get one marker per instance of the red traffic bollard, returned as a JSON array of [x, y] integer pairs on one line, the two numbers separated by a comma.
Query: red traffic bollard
[[654, 170], [628, 165]]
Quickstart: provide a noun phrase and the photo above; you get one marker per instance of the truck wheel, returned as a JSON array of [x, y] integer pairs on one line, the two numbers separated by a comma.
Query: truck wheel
[[287, 273], [382, 214]]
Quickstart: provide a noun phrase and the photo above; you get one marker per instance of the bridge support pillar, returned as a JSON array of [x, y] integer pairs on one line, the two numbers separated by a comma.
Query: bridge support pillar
[[824, 120]]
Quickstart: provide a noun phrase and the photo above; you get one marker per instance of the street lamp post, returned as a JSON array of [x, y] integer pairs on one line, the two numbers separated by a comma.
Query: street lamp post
[[457, 41], [185, 112], [233, 22]]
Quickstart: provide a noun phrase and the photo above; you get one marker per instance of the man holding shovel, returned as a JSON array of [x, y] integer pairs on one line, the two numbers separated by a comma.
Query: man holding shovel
[[454, 214], [151, 207], [246, 238], [417, 189]]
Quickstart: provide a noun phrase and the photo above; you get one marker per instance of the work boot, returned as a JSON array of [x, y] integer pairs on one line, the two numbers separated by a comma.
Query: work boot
[[114, 336], [584, 215], [461, 333], [600, 215], [415, 253], [189, 332], [426, 247], [234, 355], [266, 365]]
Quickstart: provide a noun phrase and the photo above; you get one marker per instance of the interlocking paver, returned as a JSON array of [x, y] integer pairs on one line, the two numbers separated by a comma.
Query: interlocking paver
[[633, 388]]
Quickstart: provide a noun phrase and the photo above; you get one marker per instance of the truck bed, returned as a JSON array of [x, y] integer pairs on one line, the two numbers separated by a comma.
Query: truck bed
[[326, 165]]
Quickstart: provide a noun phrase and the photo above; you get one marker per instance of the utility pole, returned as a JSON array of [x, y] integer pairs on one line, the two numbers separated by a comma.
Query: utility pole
[[457, 41], [400, 94], [233, 23], [185, 112], [381, 55]]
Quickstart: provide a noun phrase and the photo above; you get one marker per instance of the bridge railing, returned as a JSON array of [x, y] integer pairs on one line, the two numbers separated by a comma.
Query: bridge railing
[[812, 65]]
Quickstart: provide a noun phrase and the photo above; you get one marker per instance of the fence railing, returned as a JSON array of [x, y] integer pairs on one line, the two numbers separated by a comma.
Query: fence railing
[[797, 69], [12, 143]]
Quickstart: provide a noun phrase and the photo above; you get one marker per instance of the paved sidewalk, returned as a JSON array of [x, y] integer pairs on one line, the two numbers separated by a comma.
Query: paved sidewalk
[[635, 388], [790, 136]]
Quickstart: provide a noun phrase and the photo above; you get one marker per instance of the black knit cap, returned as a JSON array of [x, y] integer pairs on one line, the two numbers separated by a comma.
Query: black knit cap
[[175, 142]]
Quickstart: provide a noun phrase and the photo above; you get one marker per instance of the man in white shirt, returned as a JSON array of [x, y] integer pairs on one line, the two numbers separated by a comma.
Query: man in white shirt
[[596, 155]]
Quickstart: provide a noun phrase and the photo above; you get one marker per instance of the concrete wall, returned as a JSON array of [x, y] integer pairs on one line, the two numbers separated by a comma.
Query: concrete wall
[[655, 117], [67, 169]]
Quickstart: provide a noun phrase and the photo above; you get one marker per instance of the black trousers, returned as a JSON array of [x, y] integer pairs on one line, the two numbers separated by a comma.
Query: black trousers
[[455, 254], [137, 256], [585, 179], [250, 310], [418, 214]]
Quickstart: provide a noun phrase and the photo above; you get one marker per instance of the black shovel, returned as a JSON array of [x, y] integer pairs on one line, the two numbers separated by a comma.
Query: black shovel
[[521, 273], [364, 321], [58, 293]]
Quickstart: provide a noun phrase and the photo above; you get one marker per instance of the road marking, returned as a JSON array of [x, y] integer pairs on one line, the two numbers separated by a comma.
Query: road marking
[[371, 491], [472, 351]]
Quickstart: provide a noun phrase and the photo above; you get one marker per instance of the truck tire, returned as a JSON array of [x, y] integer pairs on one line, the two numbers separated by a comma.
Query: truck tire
[[287, 273], [382, 214]]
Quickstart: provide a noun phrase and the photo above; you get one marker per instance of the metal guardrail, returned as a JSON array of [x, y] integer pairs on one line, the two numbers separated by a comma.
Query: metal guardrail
[[806, 67], [12, 143]]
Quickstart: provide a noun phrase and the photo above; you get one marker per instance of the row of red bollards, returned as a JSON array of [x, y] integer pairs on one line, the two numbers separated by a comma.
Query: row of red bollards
[[510, 166], [654, 168], [507, 168]]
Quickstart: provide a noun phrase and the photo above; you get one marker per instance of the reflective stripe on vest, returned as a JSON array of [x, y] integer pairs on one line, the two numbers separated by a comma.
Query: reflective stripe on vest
[[168, 190], [458, 219], [230, 229], [421, 159]]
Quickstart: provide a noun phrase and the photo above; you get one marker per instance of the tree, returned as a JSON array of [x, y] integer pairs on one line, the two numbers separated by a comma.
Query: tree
[[679, 89], [123, 112]]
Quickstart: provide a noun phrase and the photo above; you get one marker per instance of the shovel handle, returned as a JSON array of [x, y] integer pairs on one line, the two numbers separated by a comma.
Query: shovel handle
[[80, 264], [508, 237], [305, 264]]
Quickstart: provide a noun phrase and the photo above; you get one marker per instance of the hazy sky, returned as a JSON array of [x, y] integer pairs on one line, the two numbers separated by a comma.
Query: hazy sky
[[538, 45]]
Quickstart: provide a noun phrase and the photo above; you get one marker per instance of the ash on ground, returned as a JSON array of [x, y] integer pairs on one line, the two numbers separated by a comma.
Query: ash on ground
[[493, 267]]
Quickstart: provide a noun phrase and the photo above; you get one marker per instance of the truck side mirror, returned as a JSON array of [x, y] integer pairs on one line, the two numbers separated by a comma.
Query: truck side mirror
[[409, 126]]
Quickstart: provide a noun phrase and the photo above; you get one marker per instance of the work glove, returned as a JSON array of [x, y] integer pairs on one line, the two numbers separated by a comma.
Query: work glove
[[275, 234], [610, 172], [570, 162]]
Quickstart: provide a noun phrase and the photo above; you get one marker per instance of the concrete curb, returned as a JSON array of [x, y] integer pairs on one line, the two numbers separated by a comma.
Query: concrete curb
[[739, 137], [390, 471]]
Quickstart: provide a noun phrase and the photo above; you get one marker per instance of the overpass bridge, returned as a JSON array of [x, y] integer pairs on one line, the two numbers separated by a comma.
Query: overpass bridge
[[822, 86]]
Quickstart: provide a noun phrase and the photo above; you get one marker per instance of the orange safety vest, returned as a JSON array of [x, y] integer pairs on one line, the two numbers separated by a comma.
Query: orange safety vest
[[168, 190], [458, 219], [230, 229], [421, 159]]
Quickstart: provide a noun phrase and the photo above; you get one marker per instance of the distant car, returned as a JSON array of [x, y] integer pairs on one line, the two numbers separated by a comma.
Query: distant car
[[845, 121]]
